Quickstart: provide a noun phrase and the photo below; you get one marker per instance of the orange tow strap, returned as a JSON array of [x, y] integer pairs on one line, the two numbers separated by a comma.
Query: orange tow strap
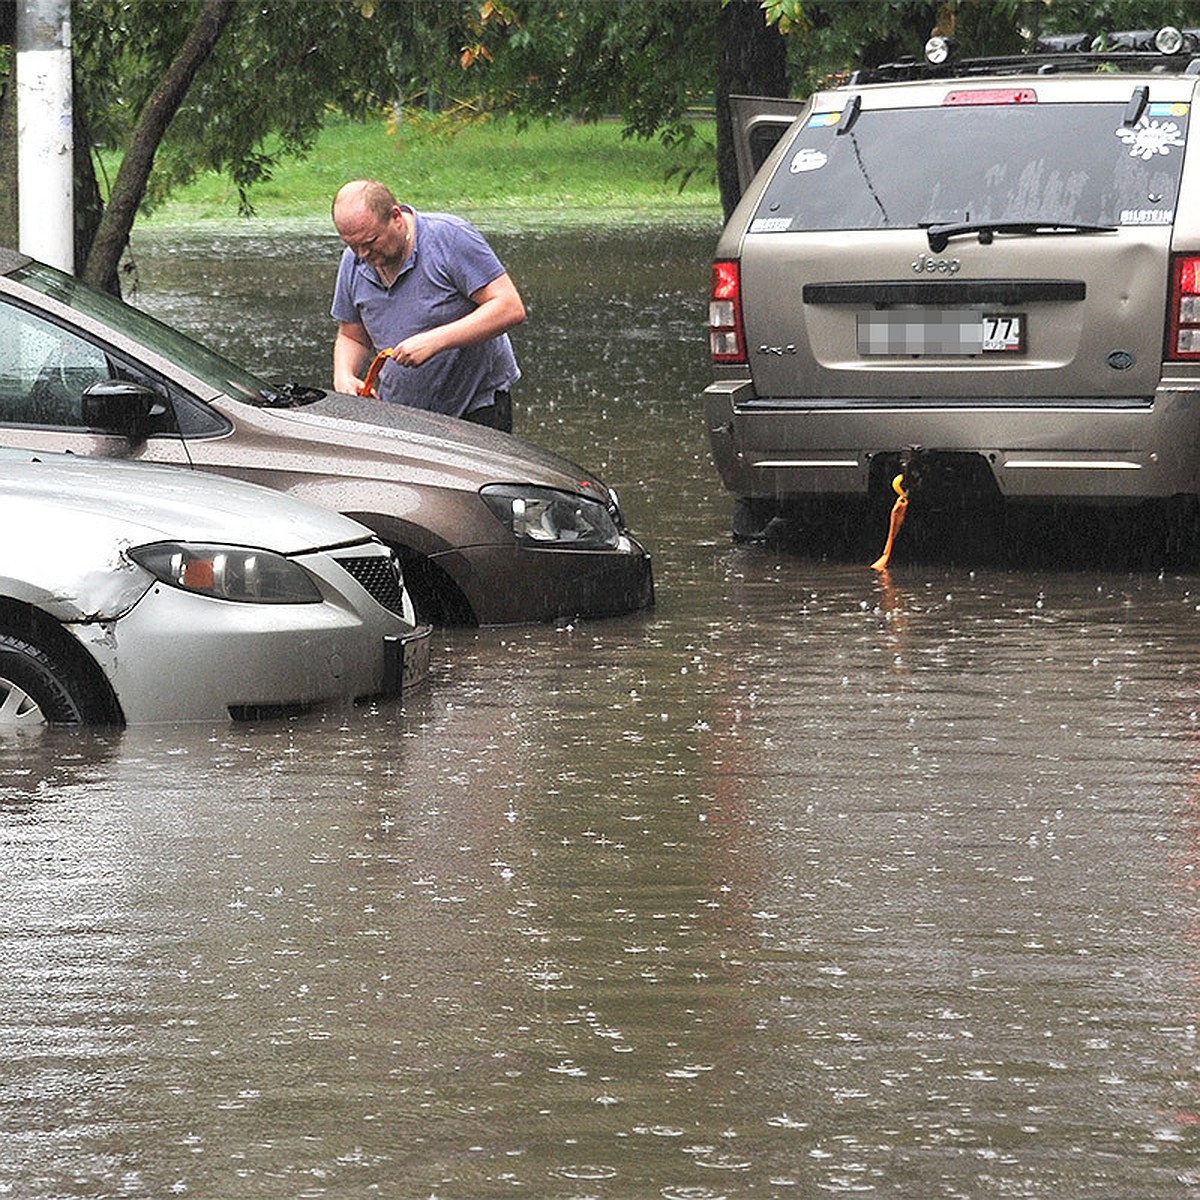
[[897, 519], [368, 387]]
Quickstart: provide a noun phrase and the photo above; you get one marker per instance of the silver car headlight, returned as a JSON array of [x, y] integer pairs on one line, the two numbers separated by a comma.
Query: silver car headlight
[[547, 518], [228, 572]]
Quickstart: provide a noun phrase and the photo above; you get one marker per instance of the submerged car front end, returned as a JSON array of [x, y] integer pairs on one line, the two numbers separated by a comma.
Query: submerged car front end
[[520, 534], [273, 649], [192, 599]]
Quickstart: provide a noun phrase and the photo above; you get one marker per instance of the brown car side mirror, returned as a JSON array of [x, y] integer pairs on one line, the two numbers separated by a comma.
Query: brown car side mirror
[[119, 406]]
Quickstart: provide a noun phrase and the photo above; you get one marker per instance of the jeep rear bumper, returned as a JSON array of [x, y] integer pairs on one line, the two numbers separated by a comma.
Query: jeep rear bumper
[[1072, 451]]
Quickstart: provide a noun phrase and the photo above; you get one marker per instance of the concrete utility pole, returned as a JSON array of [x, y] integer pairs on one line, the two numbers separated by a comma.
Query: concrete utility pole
[[45, 133]]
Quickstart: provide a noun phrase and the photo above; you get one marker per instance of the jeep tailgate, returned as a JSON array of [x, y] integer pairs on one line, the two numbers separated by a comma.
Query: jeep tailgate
[[1057, 321]]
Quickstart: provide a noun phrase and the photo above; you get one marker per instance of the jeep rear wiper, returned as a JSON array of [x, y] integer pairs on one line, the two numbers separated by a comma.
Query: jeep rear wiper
[[940, 235]]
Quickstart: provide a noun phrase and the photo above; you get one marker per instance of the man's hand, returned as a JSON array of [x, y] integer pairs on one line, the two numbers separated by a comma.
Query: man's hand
[[351, 353]]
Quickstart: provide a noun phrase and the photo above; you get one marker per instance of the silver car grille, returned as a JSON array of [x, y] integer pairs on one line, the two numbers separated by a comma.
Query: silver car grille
[[380, 576]]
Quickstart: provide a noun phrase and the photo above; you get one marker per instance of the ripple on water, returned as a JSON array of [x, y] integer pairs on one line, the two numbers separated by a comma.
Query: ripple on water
[[722, 1162], [585, 1172]]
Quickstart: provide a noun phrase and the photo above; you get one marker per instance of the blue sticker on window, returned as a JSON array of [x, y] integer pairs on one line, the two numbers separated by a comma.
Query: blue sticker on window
[[1167, 108]]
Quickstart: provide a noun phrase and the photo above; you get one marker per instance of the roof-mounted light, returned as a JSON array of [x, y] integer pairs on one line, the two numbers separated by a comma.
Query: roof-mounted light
[[1169, 40], [940, 49]]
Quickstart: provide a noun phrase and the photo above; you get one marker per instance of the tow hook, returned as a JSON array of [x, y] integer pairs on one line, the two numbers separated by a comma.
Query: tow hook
[[899, 508]]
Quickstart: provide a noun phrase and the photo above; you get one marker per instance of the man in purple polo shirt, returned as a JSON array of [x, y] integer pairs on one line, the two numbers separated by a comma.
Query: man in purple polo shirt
[[428, 286]]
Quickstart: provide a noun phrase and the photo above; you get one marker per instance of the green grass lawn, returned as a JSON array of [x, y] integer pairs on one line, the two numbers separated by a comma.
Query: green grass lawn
[[564, 172]]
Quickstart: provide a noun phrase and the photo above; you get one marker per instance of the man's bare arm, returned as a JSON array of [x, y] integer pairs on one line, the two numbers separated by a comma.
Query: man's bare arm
[[498, 308]]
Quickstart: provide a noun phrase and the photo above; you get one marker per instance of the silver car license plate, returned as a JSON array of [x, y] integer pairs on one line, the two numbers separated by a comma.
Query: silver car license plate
[[406, 661], [940, 332]]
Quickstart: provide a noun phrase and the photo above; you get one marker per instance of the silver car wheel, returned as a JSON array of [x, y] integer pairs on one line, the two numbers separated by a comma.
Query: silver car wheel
[[39, 685], [18, 709]]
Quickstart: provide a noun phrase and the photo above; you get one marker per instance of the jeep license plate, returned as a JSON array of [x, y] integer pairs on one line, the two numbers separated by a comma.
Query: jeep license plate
[[954, 332]]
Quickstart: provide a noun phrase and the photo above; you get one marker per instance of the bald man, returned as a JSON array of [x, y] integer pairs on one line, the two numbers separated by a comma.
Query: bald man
[[428, 286]]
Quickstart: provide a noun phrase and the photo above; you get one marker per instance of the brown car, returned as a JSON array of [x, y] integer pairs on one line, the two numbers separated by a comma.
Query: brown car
[[491, 530]]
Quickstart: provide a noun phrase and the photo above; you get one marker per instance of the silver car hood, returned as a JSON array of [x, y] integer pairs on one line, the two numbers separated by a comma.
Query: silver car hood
[[150, 502]]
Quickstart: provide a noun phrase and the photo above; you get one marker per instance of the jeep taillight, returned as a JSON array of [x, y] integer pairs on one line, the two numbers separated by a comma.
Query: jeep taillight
[[725, 334], [1183, 326]]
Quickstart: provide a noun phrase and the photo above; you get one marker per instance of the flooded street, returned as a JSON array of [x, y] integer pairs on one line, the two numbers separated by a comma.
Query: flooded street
[[810, 881]]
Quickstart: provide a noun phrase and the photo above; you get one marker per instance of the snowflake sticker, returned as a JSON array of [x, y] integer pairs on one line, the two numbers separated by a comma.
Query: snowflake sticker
[[1148, 138]]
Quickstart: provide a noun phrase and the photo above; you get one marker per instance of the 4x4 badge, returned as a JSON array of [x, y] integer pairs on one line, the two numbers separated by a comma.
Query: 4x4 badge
[[924, 265]]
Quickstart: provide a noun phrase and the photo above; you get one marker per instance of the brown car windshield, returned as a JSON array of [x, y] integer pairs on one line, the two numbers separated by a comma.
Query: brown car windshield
[[153, 335], [975, 163]]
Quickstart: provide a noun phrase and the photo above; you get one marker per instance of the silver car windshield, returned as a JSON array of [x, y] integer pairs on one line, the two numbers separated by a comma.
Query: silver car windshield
[[161, 339], [1071, 164]]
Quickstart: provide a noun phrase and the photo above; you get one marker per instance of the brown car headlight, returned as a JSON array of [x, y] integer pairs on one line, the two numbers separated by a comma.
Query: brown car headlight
[[228, 572], [551, 519]]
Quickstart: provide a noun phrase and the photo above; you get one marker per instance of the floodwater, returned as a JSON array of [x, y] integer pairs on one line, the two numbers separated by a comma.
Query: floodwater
[[809, 882]]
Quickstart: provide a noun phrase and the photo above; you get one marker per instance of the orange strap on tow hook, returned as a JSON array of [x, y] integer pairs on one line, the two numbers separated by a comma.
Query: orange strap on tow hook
[[897, 519], [368, 387]]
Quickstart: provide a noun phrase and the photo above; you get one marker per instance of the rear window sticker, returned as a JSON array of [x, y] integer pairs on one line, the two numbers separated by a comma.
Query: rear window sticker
[[822, 119], [808, 159], [1167, 108], [770, 224], [1148, 138]]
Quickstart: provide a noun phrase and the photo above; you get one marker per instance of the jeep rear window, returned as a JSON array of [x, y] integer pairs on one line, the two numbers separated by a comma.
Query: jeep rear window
[[913, 167]]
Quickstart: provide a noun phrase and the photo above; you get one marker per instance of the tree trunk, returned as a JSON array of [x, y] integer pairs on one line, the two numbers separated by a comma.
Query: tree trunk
[[89, 205], [157, 114], [751, 61]]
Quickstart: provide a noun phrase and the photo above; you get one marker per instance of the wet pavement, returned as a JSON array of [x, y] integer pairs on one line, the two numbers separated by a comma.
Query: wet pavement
[[809, 881]]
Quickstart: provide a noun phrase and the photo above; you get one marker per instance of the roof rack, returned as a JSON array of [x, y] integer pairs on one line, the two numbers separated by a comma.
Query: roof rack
[[1164, 51]]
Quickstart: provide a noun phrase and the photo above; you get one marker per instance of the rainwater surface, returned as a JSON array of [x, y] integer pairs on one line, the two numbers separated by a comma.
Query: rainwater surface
[[810, 881]]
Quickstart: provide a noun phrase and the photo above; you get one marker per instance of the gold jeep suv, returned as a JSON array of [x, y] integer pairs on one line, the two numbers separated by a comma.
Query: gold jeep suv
[[991, 265]]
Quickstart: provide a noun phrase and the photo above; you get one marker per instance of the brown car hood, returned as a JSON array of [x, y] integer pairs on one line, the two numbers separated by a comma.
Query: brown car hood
[[447, 446]]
